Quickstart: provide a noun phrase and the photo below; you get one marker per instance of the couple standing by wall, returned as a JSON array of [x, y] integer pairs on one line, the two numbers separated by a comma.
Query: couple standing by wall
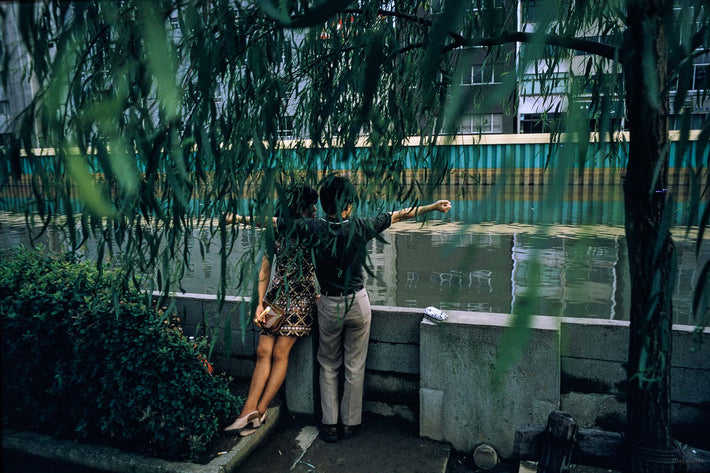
[[334, 249]]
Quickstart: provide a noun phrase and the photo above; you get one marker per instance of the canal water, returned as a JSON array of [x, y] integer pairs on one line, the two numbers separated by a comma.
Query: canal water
[[494, 250]]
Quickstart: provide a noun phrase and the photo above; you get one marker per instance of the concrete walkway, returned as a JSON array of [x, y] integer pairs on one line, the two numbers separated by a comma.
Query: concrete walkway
[[383, 445], [282, 445]]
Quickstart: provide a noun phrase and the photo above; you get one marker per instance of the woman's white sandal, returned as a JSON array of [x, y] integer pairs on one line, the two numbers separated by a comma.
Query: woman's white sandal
[[435, 315], [241, 422], [246, 432]]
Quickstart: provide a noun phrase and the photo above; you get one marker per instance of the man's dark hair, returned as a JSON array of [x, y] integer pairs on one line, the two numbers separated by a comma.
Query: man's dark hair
[[336, 193]]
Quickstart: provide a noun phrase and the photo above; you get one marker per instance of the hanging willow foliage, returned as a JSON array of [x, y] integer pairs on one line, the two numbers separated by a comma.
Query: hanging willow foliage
[[164, 116]]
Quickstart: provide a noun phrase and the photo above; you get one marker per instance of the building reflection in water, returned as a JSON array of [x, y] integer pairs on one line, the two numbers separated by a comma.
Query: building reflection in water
[[567, 273]]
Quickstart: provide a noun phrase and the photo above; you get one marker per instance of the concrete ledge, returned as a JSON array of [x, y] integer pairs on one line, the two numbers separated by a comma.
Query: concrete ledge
[[606, 340], [593, 376], [690, 386], [460, 403], [396, 324], [113, 460], [394, 357], [690, 348]]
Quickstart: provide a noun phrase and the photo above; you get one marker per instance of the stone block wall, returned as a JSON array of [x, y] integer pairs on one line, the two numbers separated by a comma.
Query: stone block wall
[[447, 377], [593, 378], [475, 388], [200, 315], [393, 367]]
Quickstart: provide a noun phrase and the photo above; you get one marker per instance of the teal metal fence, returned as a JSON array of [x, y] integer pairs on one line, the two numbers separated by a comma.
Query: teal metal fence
[[491, 159]]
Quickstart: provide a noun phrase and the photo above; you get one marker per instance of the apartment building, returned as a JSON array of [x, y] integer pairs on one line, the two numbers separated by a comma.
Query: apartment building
[[20, 88], [538, 115], [531, 105], [480, 75]]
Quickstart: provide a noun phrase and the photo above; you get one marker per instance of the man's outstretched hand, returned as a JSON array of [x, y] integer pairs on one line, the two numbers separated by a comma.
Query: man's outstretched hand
[[442, 206]]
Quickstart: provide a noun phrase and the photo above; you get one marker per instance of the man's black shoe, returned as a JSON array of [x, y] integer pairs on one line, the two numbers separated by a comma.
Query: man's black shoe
[[329, 433], [350, 430]]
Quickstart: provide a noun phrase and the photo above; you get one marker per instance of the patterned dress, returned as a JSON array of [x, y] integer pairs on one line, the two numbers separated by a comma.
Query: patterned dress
[[293, 287]]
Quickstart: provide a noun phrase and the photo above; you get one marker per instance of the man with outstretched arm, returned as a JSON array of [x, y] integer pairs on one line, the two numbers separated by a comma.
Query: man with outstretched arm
[[344, 307]]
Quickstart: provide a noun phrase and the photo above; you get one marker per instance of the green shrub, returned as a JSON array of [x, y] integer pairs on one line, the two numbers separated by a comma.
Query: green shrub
[[81, 360]]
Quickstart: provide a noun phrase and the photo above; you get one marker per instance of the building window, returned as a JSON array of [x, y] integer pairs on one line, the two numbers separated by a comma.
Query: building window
[[480, 74], [699, 80], [482, 123], [476, 5], [555, 83], [543, 10], [612, 118], [700, 76], [614, 81], [538, 122], [614, 124], [286, 128], [218, 98], [173, 27], [533, 10]]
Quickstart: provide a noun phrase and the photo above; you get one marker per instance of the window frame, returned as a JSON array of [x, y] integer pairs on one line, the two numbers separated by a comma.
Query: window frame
[[470, 124], [472, 70]]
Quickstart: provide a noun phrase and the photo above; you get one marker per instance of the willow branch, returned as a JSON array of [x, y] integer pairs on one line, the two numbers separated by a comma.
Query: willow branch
[[593, 47]]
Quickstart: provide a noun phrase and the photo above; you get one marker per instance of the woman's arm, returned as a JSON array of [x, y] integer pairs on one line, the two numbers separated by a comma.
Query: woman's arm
[[236, 218], [229, 219], [264, 276], [442, 206]]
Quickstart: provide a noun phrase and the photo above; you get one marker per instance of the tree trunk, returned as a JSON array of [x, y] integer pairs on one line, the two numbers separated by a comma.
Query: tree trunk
[[651, 447]]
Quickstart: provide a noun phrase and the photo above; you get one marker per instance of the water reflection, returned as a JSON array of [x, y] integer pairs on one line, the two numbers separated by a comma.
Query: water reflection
[[562, 271], [576, 268]]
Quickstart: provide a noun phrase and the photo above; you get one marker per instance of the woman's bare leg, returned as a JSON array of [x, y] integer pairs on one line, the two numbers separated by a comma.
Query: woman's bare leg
[[279, 366], [262, 373]]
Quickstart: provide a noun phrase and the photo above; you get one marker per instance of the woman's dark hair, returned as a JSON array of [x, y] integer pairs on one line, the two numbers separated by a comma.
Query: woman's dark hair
[[297, 199], [336, 193]]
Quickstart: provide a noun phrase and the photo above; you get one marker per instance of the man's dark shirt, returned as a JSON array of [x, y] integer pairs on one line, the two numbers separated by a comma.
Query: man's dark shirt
[[340, 249]]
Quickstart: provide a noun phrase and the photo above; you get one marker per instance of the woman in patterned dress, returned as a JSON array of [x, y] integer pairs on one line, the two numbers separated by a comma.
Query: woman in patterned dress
[[293, 288]]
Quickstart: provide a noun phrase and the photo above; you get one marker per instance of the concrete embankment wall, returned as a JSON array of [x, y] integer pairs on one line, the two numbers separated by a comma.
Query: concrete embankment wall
[[474, 379]]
